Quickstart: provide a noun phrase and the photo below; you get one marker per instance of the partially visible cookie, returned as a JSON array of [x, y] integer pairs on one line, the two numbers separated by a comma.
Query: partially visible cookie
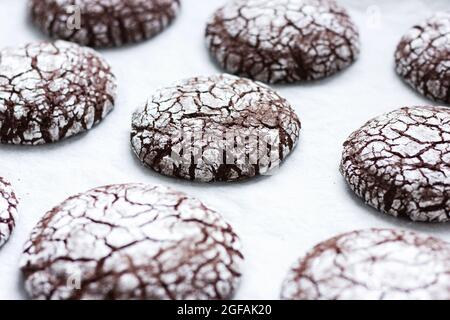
[[218, 128], [376, 264], [8, 210], [51, 91], [283, 40], [399, 163], [103, 23], [423, 57], [132, 241]]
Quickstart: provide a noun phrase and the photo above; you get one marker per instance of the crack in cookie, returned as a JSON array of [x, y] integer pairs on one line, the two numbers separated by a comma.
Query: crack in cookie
[[376, 264]]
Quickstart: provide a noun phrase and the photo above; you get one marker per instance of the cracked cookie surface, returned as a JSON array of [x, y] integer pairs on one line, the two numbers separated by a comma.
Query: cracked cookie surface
[[282, 41], [8, 210], [423, 57], [218, 128], [399, 163], [132, 241], [51, 91], [103, 23], [373, 264]]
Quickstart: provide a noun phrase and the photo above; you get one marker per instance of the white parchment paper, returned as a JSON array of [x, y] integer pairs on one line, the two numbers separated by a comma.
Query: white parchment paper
[[279, 217]]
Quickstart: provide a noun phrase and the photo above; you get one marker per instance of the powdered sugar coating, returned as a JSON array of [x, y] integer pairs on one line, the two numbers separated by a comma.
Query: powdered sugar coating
[[283, 40], [132, 241], [103, 23], [51, 91], [423, 57], [218, 128], [399, 163], [8, 210], [376, 264]]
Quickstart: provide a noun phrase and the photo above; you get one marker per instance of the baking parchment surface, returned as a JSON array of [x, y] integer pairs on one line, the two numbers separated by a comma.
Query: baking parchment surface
[[278, 217]]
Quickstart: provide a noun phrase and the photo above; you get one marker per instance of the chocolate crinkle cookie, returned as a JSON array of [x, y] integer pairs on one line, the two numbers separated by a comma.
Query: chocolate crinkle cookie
[[376, 264], [103, 23], [218, 128], [399, 163], [132, 241], [8, 210], [423, 57], [51, 91], [280, 41]]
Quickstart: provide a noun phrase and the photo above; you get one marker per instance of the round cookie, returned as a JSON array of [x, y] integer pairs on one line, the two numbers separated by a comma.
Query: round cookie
[[376, 264], [218, 128], [132, 241], [51, 91], [423, 57], [399, 163], [8, 210], [282, 41], [103, 23]]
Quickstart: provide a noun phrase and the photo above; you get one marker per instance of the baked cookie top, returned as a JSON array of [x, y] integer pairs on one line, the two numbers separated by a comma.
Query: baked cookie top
[[283, 40]]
